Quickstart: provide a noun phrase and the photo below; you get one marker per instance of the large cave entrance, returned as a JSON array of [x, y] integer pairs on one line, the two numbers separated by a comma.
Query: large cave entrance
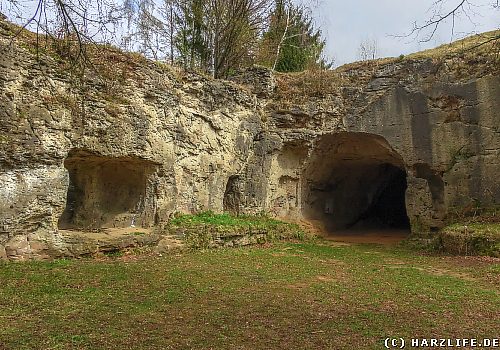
[[355, 182], [108, 192]]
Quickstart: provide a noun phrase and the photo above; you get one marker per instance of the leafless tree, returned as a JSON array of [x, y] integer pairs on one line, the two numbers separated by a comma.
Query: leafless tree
[[234, 27], [169, 12], [443, 11], [216, 36], [74, 23], [368, 50], [147, 28], [286, 8]]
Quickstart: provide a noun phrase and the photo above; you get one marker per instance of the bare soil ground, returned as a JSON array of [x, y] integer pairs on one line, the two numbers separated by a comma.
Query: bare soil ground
[[375, 236], [384, 237]]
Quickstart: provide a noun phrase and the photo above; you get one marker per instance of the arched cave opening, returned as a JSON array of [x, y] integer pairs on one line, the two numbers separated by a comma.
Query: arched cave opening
[[108, 192], [355, 182]]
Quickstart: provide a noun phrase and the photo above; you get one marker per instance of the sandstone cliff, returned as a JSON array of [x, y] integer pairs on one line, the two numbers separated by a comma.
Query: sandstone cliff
[[393, 143]]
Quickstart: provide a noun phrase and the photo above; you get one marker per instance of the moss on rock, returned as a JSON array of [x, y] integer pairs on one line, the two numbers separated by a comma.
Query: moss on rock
[[210, 230]]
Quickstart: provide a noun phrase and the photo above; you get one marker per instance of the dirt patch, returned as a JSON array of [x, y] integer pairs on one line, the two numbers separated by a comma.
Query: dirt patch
[[347, 237], [433, 271], [339, 276], [325, 278], [474, 260], [383, 237], [445, 272]]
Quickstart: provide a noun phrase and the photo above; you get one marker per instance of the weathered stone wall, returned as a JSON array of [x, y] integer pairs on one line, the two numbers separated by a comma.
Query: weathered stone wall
[[196, 132], [213, 145], [448, 134], [444, 129]]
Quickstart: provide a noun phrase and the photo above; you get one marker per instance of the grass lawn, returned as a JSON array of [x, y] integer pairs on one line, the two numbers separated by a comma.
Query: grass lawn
[[282, 296]]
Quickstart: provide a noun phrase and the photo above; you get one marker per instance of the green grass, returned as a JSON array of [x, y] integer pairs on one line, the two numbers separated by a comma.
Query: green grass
[[282, 296], [493, 228], [209, 230], [224, 219], [473, 238]]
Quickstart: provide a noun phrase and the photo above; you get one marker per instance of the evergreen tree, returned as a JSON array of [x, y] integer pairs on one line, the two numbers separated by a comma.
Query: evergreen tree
[[291, 43], [190, 40]]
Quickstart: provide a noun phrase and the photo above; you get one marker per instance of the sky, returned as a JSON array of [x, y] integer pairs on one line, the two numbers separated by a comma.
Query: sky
[[345, 24]]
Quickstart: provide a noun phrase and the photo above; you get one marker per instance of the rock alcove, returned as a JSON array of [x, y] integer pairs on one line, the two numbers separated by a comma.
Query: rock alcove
[[108, 192], [232, 195], [355, 182]]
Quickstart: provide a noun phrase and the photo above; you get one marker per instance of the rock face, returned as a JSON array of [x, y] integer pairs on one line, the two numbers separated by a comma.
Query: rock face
[[397, 144], [448, 136]]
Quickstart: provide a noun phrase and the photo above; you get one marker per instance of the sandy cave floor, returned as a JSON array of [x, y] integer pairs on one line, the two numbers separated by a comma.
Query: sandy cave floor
[[375, 236]]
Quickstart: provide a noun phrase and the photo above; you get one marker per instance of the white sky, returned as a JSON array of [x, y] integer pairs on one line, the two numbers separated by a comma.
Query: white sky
[[345, 24]]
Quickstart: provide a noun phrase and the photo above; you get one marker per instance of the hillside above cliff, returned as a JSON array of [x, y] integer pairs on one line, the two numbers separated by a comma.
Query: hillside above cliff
[[474, 56]]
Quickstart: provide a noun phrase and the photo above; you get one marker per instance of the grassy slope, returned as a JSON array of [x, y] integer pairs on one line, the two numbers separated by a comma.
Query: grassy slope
[[486, 43], [284, 296]]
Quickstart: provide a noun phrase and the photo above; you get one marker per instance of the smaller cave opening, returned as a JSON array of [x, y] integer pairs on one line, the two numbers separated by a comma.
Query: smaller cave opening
[[232, 195], [108, 192]]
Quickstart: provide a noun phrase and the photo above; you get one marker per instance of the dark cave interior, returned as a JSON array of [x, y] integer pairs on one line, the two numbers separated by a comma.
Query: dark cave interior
[[357, 183]]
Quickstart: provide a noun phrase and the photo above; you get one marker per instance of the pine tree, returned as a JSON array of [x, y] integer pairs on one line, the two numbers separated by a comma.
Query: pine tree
[[190, 41], [291, 43]]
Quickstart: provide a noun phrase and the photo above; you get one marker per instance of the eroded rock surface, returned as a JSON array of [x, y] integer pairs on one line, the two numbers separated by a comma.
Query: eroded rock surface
[[159, 142]]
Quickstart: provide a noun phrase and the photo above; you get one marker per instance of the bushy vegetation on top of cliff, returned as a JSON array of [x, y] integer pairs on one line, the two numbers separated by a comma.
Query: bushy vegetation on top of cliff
[[216, 38], [474, 56]]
